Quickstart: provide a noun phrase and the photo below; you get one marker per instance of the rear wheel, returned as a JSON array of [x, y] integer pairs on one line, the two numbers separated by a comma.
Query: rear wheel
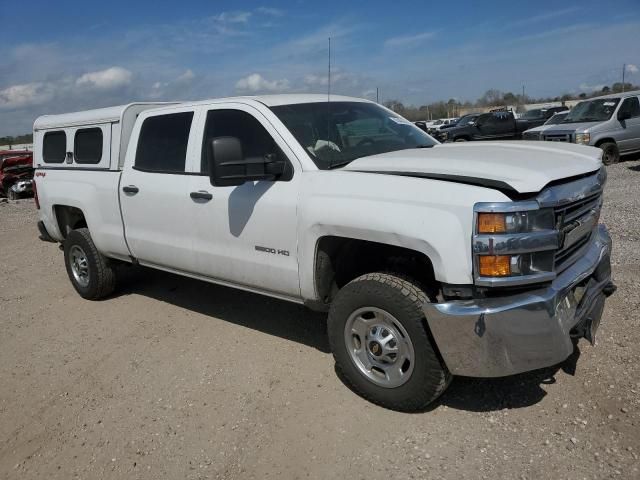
[[381, 345], [91, 274], [610, 153]]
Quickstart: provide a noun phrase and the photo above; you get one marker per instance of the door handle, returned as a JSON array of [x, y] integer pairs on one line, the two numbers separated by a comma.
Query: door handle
[[130, 189], [201, 195]]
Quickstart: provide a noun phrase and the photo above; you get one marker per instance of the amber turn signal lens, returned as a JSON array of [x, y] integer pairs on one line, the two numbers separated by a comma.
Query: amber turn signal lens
[[495, 265], [491, 223]]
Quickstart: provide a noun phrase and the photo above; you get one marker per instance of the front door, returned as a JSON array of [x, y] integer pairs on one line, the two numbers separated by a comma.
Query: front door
[[247, 234], [629, 129]]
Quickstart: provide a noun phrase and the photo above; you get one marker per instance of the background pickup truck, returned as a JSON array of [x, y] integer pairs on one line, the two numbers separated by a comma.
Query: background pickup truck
[[497, 126], [432, 260]]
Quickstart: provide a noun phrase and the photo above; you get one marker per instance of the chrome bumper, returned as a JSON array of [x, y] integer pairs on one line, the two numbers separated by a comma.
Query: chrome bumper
[[494, 337]]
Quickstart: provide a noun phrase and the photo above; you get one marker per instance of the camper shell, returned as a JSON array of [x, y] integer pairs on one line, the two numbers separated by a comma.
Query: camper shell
[[101, 134]]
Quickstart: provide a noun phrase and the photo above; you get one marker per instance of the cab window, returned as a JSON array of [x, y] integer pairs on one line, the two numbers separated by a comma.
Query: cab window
[[631, 106], [162, 145], [256, 142]]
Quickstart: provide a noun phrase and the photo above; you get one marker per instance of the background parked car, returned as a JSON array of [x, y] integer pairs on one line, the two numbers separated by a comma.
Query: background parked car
[[15, 166], [611, 122], [538, 116], [535, 133]]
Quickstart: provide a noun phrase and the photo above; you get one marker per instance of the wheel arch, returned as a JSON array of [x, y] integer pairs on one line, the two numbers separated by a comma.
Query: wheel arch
[[600, 141], [340, 259], [69, 218]]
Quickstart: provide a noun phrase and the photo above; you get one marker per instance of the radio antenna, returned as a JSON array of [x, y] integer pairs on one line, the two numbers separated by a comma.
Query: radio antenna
[[329, 75], [329, 106]]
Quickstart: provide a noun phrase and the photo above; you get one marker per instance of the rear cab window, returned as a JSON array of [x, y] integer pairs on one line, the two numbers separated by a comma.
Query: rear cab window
[[162, 143]]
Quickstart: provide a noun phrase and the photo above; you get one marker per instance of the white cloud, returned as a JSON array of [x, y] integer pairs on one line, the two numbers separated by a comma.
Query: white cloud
[[25, 95], [233, 17], [408, 40], [544, 17], [591, 88], [110, 78], [631, 68], [273, 12], [256, 83], [187, 76]]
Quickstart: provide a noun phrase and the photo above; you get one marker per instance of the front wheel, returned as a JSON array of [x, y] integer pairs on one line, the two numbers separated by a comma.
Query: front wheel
[[381, 344], [610, 153], [91, 274]]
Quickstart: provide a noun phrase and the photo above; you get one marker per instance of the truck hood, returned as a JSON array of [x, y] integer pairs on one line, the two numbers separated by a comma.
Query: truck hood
[[519, 167], [572, 127]]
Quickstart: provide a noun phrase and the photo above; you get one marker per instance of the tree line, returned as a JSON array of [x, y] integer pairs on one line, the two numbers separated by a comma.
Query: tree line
[[493, 98], [20, 139]]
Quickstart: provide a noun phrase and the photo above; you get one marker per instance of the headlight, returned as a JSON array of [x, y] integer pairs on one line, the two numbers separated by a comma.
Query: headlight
[[515, 222], [513, 241], [583, 138]]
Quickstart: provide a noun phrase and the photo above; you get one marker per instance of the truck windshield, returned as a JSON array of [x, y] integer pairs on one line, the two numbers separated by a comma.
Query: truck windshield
[[557, 118], [597, 110], [336, 133]]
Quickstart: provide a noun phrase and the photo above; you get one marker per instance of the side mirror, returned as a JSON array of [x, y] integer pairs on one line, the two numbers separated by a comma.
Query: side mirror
[[228, 167], [624, 115]]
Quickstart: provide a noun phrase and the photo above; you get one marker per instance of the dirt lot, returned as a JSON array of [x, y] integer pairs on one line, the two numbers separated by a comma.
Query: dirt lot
[[174, 378]]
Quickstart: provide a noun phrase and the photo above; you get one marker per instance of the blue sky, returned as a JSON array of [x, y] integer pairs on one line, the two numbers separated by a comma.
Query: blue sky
[[66, 55]]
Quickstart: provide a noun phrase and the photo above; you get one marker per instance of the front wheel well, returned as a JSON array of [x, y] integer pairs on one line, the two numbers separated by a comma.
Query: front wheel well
[[340, 260], [69, 218], [604, 140]]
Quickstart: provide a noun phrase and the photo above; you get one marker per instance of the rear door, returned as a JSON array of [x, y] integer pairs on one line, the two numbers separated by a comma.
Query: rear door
[[155, 187], [497, 125]]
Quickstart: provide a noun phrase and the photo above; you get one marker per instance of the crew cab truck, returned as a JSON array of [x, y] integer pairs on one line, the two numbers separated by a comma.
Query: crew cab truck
[[501, 125], [432, 260]]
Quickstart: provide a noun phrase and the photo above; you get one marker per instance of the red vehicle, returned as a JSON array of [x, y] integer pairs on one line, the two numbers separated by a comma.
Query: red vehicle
[[16, 173]]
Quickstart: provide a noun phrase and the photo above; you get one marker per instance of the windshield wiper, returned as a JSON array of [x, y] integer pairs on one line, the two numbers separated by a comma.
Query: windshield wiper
[[339, 164], [426, 145], [581, 120]]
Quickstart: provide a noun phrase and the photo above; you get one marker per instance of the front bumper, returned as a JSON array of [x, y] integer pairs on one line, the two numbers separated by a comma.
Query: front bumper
[[499, 336]]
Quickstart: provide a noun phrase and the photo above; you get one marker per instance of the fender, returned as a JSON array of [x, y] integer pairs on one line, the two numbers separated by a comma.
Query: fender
[[425, 215]]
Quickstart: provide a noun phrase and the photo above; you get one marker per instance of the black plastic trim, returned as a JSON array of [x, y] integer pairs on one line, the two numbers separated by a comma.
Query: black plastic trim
[[91, 169], [481, 182]]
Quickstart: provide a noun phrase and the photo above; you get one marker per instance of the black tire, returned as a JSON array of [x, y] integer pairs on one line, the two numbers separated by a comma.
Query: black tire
[[610, 153], [461, 139], [101, 273], [402, 299], [11, 195]]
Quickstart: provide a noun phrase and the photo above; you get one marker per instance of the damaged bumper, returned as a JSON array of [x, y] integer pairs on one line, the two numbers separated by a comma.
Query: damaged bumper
[[494, 337]]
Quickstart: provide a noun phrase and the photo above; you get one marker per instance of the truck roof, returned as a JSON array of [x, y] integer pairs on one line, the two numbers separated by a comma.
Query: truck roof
[[99, 115], [115, 114]]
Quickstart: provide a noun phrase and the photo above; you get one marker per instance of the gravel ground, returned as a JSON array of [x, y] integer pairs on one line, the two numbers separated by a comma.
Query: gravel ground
[[174, 378]]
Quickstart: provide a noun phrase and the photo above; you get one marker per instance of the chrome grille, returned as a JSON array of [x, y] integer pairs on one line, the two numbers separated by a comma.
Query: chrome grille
[[579, 216], [557, 137]]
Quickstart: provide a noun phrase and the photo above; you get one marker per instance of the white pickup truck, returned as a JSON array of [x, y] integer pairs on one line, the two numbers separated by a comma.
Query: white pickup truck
[[480, 259]]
